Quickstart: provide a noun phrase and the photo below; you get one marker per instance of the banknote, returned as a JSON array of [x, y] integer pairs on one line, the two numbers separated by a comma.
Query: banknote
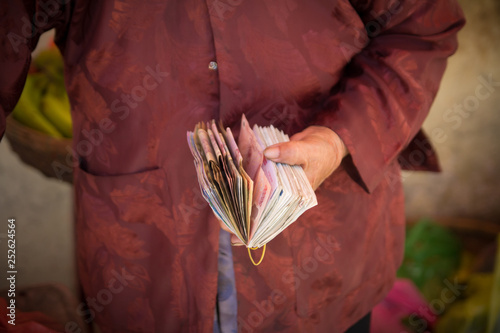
[[254, 197]]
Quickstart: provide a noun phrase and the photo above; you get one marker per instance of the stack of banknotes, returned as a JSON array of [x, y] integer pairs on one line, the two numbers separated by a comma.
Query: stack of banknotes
[[254, 197]]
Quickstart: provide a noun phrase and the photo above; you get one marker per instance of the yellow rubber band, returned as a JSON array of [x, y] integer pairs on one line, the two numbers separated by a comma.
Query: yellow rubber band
[[261, 257]]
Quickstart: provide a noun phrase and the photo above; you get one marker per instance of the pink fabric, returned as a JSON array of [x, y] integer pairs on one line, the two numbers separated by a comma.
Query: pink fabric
[[138, 78], [403, 309]]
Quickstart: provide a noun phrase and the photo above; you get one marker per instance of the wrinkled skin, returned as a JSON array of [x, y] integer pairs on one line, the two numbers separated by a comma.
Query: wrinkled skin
[[317, 149]]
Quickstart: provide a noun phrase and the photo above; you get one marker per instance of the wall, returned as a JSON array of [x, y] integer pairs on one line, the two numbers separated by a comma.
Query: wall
[[468, 141]]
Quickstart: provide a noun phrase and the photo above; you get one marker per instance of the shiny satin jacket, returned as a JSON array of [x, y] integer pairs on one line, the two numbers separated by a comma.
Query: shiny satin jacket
[[138, 76]]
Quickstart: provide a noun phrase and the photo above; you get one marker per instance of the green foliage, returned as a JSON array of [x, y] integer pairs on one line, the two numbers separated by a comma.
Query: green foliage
[[432, 254]]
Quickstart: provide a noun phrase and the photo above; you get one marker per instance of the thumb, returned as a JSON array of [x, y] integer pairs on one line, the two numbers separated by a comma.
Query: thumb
[[290, 152]]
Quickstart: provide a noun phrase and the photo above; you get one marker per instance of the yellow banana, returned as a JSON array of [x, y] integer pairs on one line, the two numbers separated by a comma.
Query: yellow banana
[[50, 62], [27, 110], [57, 109]]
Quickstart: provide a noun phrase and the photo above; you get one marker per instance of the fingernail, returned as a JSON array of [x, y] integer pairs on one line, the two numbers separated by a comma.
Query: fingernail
[[272, 153]]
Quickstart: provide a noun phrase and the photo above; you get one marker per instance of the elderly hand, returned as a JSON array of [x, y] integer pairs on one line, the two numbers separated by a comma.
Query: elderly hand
[[318, 149]]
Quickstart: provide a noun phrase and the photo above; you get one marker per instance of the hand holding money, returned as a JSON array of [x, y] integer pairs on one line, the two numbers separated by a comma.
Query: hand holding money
[[317, 149], [255, 198]]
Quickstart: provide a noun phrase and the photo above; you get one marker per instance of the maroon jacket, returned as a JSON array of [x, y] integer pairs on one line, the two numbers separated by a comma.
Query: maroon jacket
[[138, 76]]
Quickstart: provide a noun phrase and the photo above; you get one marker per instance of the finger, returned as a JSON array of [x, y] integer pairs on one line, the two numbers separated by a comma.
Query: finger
[[292, 152], [235, 241], [304, 134], [298, 136]]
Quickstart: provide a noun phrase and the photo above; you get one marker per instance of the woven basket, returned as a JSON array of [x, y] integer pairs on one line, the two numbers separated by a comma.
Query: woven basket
[[39, 150]]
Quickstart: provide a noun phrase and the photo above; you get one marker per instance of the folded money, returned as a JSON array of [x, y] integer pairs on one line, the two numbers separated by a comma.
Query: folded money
[[254, 197]]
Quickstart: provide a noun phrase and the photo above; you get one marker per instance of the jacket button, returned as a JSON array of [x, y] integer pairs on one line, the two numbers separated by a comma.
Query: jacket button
[[212, 66]]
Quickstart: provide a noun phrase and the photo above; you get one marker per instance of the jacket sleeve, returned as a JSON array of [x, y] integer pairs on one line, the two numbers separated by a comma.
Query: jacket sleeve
[[21, 24], [386, 91]]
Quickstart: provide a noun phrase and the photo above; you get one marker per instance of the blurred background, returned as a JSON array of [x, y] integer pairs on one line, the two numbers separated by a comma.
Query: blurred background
[[463, 125]]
